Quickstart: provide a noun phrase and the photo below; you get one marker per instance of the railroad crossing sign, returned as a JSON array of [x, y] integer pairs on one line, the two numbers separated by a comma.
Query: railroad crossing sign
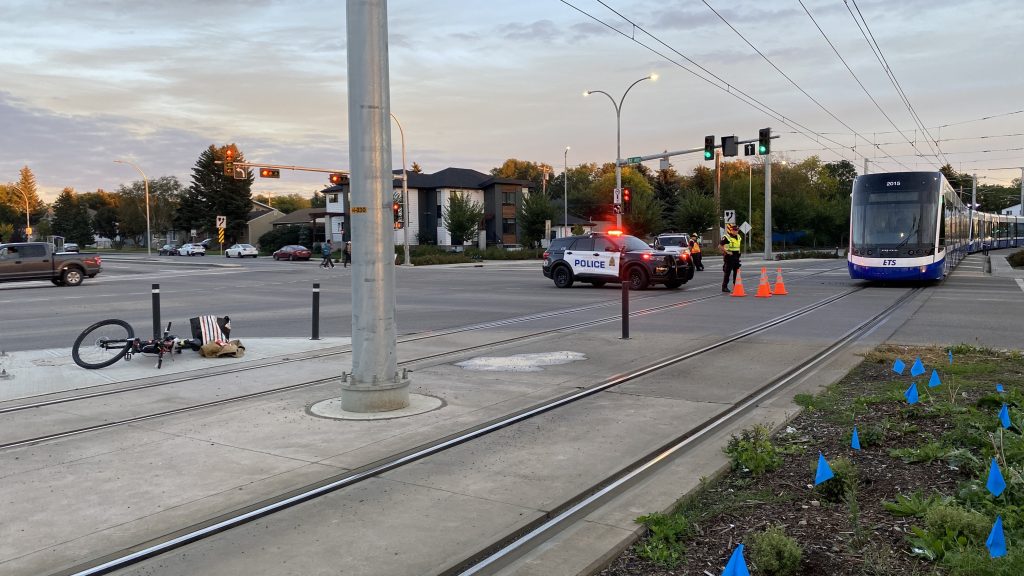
[[222, 222]]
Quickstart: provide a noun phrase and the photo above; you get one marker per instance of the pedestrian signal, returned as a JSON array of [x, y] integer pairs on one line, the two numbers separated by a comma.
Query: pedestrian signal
[[270, 173]]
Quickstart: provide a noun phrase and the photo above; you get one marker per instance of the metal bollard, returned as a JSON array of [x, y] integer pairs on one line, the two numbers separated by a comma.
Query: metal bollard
[[316, 311], [156, 311], [625, 308]]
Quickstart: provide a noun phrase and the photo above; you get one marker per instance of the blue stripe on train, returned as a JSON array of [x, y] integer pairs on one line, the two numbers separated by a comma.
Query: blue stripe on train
[[896, 273]]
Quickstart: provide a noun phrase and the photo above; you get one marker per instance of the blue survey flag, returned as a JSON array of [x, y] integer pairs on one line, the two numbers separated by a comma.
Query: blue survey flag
[[995, 483], [950, 356], [996, 542], [737, 566], [999, 388], [1004, 416], [934, 380], [824, 470], [918, 368], [898, 366], [855, 440], [911, 393]]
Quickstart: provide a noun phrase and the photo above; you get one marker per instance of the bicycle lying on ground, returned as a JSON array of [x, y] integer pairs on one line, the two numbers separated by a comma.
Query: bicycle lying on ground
[[107, 341]]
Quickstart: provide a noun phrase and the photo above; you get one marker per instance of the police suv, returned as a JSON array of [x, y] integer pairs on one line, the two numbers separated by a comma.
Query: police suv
[[599, 258]]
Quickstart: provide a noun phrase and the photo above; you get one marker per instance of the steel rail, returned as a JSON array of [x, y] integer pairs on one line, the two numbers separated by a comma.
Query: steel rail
[[233, 520]]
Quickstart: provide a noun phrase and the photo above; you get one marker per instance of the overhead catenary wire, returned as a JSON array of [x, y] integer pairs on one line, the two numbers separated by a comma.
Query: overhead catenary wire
[[876, 49], [787, 77], [716, 81], [859, 83]]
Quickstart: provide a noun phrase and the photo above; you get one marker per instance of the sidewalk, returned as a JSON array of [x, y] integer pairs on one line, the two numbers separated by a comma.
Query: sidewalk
[[29, 373]]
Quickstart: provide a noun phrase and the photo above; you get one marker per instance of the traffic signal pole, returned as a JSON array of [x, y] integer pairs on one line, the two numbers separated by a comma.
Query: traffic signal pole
[[375, 384]]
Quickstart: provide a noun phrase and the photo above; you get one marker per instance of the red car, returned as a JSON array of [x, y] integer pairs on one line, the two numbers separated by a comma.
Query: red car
[[292, 252]]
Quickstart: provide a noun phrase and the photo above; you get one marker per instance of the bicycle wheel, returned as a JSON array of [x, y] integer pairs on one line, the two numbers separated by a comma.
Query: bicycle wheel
[[102, 344]]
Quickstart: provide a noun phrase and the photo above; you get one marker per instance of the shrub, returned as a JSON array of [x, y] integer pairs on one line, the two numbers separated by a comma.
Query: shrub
[[753, 450], [664, 543], [774, 553], [1016, 259], [949, 528], [843, 480]]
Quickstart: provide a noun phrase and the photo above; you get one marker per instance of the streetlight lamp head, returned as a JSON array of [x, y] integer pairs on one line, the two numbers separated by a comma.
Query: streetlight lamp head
[[567, 148], [586, 92], [653, 77]]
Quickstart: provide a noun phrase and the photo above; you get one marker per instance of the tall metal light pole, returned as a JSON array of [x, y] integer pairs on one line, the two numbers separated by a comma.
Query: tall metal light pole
[[149, 237], [617, 195], [28, 224], [565, 197], [405, 198], [750, 193]]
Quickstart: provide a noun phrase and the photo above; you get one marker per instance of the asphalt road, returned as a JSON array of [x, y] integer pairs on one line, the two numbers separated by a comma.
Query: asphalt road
[[267, 299]]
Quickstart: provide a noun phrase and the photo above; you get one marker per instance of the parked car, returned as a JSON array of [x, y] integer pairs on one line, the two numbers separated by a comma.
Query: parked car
[[206, 243], [192, 250], [292, 252], [241, 251], [168, 250], [37, 261], [71, 247]]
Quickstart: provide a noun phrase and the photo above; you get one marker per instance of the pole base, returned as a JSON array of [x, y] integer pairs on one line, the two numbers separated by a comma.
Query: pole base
[[376, 397]]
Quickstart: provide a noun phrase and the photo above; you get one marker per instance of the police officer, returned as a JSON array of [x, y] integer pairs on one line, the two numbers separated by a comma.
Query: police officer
[[695, 253], [731, 254]]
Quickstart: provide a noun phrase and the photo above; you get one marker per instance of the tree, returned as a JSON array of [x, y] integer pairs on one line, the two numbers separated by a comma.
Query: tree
[[645, 219], [695, 212], [524, 170], [602, 190], [667, 188], [533, 213], [71, 219], [213, 194], [286, 204], [416, 168], [462, 218]]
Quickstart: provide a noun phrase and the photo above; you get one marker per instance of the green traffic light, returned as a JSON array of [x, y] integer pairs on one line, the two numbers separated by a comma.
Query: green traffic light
[[707, 155], [762, 149]]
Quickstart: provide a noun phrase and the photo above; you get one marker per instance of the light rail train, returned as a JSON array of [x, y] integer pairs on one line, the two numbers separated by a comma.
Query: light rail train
[[907, 226]]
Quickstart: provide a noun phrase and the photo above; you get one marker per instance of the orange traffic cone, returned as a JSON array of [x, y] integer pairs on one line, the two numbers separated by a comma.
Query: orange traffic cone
[[763, 290], [737, 288], [780, 286]]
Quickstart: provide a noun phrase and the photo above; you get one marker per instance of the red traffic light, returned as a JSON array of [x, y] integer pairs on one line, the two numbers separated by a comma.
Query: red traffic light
[[229, 154], [337, 178], [270, 173]]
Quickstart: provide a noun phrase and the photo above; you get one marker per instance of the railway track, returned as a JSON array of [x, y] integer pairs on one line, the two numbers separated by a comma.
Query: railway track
[[198, 380], [510, 546]]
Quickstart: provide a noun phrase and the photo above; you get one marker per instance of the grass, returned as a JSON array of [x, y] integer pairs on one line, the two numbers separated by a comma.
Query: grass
[[913, 500]]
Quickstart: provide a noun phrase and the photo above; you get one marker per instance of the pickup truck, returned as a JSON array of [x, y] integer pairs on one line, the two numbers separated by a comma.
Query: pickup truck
[[38, 261]]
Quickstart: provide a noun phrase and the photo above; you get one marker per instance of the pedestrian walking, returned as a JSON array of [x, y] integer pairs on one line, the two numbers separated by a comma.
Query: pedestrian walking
[[346, 254], [695, 253], [326, 249], [731, 255]]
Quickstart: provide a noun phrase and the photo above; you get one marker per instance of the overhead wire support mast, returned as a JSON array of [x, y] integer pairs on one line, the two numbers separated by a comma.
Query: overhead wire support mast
[[283, 167]]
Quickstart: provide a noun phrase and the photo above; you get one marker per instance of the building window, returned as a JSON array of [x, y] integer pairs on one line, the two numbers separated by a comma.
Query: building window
[[332, 197], [508, 225], [508, 197]]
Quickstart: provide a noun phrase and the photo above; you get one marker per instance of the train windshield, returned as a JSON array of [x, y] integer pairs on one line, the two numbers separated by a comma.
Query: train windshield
[[895, 211]]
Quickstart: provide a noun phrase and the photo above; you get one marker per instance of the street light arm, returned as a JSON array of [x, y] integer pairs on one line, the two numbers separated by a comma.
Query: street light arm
[[651, 77], [614, 103]]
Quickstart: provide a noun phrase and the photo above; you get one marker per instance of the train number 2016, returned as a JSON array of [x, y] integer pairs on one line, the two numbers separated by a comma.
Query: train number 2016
[[888, 262]]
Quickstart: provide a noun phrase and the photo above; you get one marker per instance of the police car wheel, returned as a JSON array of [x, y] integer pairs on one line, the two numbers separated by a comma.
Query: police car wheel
[[637, 279], [562, 276]]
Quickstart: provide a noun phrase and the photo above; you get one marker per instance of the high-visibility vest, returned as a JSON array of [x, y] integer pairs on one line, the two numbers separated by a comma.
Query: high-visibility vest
[[696, 247], [734, 244]]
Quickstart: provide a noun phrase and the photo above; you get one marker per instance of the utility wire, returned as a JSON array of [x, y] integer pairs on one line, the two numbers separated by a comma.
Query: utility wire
[[721, 84], [861, 84], [876, 49], [784, 75]]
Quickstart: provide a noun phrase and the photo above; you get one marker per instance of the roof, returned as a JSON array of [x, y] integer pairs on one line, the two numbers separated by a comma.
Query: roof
[[303, 216], [464, 178]]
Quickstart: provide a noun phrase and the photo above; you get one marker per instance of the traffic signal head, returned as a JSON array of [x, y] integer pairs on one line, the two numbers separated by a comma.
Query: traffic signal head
[[627, 200], [270, 173], [336, 178], [229, 154], [764, 141], [396, 209], [709, 147]]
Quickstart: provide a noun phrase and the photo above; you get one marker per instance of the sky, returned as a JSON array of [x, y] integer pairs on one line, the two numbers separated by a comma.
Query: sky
[[86, 82]]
